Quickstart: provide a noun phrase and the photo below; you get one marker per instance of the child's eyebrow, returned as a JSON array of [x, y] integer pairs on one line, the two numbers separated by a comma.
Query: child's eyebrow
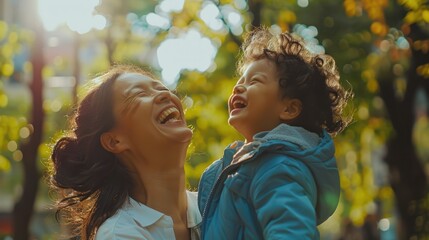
[[260, 77], [259, 74]]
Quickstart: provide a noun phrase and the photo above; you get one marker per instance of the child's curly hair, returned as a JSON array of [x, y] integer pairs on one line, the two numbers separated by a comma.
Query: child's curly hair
[[311, 78]]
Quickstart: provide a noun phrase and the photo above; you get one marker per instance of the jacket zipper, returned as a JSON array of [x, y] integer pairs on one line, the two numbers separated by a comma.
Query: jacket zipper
[[222, 176], [219, 180]]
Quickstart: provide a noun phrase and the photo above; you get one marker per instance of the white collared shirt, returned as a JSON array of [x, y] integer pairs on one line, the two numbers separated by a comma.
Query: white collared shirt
[[135, 220]]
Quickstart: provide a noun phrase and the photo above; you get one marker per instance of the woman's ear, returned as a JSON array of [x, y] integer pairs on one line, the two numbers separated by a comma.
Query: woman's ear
[[292, 109], [112, 142]]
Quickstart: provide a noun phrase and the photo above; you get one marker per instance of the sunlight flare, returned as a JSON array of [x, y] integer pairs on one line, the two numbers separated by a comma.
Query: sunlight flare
[[77, 14]]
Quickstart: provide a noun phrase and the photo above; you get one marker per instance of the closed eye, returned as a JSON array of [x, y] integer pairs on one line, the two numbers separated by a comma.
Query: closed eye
[[139, 93], [254, 81], [134, 95], [162, 89]]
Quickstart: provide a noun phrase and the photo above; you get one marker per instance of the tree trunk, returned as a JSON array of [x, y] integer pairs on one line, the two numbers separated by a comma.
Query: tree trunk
[[76, 69], [407, 175], [408, 182], [255, 7], [24, 207], [110, 45]]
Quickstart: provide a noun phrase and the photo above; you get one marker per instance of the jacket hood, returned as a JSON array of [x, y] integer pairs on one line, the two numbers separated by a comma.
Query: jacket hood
[[316, 152]]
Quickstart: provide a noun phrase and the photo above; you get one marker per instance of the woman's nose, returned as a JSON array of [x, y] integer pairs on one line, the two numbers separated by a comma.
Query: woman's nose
[[239, 88], [163, 96]]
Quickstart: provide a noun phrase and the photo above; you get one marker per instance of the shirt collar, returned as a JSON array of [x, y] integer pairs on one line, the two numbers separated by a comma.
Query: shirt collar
[[194, 215], [143, 214], [147, 216]]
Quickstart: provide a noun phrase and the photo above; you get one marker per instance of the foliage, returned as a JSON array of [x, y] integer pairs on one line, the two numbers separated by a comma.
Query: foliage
[[13, 123], [13, 127], [364, 37]]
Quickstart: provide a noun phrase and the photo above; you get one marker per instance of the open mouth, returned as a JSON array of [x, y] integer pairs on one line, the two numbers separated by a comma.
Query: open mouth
[[170, 114], [238, 104]]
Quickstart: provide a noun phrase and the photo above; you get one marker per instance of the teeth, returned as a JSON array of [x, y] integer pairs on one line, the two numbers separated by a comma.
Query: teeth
[[167, 112], [239, 104]]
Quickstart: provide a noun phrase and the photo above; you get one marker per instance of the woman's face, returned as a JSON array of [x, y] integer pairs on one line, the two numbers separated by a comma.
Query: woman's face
[[147, 113]]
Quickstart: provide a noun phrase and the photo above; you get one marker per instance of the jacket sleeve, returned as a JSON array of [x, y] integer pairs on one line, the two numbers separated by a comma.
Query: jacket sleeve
[[206, 183], [284, 198]]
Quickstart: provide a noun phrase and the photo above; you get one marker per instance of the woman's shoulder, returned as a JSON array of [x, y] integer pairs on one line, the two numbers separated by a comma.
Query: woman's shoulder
[[129, 222], [113, 227]]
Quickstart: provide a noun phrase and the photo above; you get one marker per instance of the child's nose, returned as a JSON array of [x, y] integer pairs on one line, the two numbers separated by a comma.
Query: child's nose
[[239, 88]]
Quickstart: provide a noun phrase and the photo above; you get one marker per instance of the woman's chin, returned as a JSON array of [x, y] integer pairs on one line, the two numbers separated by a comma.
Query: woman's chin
[[185, 136], [177, 132]]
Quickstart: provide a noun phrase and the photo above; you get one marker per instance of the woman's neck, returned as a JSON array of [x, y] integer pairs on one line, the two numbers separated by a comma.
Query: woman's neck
[[159, 179], [166, 185], [165, 192]]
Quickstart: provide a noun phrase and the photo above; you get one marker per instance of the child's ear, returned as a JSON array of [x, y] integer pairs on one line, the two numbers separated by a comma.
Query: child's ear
[[112, 142], [292, 109]]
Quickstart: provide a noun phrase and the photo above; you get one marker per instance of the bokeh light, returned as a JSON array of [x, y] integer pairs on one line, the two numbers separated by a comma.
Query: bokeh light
[[171, 5], [157, 21], [77, 14], [384, 224], [190, 51], [210, 15]]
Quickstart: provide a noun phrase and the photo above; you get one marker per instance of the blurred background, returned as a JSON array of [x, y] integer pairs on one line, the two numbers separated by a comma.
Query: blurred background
[[50, 48]]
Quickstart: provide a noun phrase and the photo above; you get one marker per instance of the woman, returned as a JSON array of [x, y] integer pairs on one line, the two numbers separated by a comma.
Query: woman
[[121, 171]]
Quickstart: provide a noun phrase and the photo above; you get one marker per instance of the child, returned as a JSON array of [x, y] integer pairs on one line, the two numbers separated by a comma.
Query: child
[[283, 181]]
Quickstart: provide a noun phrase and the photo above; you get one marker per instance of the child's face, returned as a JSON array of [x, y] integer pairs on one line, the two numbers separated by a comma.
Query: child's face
[[256, 104]]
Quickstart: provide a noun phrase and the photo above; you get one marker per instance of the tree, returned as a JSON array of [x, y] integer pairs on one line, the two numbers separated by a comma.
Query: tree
[[24, 207], [408, 178], [119, 33], [363, 36]]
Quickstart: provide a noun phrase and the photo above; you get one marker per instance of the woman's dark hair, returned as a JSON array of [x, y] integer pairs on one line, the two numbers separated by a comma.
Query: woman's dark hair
[[91, 182], [311, 78]]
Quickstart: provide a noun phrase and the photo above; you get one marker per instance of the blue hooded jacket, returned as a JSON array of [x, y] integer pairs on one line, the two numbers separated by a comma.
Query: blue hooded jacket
[[280, 186]]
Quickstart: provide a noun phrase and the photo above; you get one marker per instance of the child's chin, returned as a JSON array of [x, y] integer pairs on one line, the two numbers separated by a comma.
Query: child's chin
[[233, 121]]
